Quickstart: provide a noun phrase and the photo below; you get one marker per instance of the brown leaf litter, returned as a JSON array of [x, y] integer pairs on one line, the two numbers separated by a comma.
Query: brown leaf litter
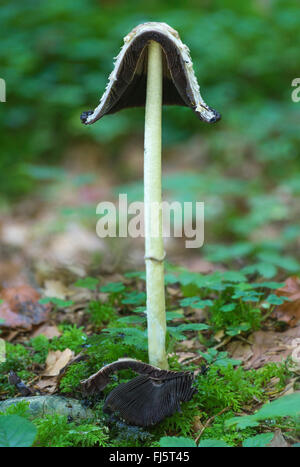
[[56, 361], [21, 308], [265, 346], [289, 311]]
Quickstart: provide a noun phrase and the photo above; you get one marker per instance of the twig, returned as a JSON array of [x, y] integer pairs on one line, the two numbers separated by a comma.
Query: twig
[[208, 422]]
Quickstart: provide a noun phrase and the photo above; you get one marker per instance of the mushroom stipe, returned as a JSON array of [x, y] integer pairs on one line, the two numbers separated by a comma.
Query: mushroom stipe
[[147, 399]]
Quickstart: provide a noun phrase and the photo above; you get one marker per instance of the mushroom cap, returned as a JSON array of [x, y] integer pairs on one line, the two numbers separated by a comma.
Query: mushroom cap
[[127, 82], [146, 399]]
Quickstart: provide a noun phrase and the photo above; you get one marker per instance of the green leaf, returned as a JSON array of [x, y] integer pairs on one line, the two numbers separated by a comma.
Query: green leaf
[[282, 407], [242, 422], [56, 301], [213, 443], [170, 315], [220, 253], [273, 299], [233, 276], [247, 295], [286, 406], [195, 302], [140, 309], [134, 298], [135, 275], [219, 358], [170, 278], [16, 431], [130, 336], [264, 269], [258, 441], [176, 442], [234, 330], [113, 288], [132, 319], [284, 262], [227, 361], [87, 283], [44, 172], [176, 331], [193, 327], [229, 307]]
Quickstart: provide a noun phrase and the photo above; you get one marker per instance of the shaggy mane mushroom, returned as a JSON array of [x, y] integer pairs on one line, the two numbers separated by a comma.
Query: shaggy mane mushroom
[[153, 68]]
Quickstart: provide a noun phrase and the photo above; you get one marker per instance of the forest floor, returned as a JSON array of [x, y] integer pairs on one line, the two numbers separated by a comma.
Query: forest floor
[[71, 303]]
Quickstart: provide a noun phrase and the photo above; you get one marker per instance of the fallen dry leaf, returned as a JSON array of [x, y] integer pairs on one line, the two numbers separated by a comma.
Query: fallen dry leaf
[[55, 289], [21, 308], [48, 385], [264, 347], [56, 361], [278, 441], [289, 312], [198, 264], [240, 350], [49, 331], [14, 233], [183, 356], [219, 335], [197, 424]]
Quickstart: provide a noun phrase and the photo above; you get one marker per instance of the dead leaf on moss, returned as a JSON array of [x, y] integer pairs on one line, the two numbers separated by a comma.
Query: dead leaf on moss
[[56, 361], [183, 356], [278, 441], [48, 385], [240, 350], [264, 347], [198, 264], [47, 330], [197, 424], [219, 335], [57, 289], [21, 308], [289, 312]]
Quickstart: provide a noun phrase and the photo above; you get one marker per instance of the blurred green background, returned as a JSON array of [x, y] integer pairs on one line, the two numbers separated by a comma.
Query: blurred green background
[[56, 57]]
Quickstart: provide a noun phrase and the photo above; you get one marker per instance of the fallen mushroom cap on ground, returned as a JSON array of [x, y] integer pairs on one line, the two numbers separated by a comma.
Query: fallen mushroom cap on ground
[[146, 399], [127, 83]]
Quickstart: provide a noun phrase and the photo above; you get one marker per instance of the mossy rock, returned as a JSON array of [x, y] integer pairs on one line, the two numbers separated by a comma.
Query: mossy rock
[[40, 406]]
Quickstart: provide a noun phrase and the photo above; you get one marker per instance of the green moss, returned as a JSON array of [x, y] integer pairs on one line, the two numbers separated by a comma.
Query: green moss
[[226, 389], [101, 313], [70, 383], [58, 431], [18, 359], [73, 338]]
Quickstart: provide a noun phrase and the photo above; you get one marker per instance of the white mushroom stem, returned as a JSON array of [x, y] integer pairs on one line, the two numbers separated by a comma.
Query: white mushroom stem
[[154, 249]]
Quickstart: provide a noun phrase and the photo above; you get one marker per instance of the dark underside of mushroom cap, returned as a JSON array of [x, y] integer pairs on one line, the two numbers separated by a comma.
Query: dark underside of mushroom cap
[[129, 88], [144, 401]]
